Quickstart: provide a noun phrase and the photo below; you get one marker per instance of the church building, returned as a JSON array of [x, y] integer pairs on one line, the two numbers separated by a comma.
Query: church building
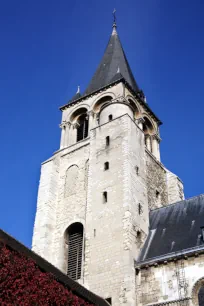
[[109, 214]]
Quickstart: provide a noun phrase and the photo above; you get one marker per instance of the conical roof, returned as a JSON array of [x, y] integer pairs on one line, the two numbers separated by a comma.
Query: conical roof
[[114, 59]]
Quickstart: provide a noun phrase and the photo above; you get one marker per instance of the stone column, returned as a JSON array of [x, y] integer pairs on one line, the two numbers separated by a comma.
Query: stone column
[[73, 130], [140, 122], [90, 115], [67, 134], [155, 146], [148, 142], [63, 127]]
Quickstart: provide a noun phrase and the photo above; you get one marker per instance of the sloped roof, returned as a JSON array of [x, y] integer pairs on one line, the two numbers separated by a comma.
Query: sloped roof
[[44, 265], [114, 59], [174, 228]]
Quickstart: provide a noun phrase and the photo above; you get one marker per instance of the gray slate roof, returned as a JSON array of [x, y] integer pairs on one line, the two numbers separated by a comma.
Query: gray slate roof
[[174, 228], [114, 58], [75, 97]]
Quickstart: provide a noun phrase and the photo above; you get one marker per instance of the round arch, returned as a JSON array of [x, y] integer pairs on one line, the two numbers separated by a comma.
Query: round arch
[[148, 125], [198, 293], [74, 237], [75, 115], [101, 101], [135, 107]]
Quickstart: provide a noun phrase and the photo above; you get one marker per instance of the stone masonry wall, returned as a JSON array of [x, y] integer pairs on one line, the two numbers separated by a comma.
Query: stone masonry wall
[[110, 246], [175, 188], [45, 220], [72, 197], [156, 182], [159, 285]]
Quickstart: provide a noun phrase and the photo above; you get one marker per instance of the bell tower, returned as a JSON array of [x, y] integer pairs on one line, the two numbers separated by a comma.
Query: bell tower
[[95, 192]]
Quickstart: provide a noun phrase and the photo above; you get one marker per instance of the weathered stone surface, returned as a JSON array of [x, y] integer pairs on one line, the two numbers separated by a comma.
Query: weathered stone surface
[[160, 285]]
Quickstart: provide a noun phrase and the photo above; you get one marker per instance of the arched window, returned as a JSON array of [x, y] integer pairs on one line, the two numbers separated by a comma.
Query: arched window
[[134, 108], [82, 129], [148, 130], [74, 237], [201, 296], [101, 102]]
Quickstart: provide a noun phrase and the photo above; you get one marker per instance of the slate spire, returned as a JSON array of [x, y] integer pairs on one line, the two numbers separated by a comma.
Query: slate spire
[[114, 57]]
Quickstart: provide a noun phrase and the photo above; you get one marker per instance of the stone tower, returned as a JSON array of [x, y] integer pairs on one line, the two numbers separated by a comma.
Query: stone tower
[[95, 192]]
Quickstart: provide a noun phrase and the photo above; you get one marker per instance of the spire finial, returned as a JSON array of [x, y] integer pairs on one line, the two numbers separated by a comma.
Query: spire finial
[[114, 22], [78, 90]]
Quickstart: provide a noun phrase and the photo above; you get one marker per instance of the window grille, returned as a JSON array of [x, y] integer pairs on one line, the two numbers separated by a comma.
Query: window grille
[[75, 247], [82, 130]]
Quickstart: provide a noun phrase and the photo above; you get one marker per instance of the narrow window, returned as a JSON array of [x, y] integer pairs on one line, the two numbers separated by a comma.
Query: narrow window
[[75, 245], [94, 232], [107, 141], [110, 117], [106, 166], [139, 234], [158, 197], [137, 170], [109, 300], [157, 194], [82, 130], [105, 197], [140, 211]]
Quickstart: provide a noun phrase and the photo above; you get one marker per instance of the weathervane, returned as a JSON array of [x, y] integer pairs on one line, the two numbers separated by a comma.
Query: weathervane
[[114, 16]]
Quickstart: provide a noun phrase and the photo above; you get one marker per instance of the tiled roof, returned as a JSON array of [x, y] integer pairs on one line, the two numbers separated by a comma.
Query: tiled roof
[[174, 228]]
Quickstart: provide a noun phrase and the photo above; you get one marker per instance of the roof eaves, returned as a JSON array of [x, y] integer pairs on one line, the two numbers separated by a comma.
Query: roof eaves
[[75, 287], [175, 203], [145, 105], [170, 256], [90, 94]]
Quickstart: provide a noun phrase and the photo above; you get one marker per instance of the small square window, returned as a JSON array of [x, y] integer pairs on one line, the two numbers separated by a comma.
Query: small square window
[[106, 166], [105, 197]]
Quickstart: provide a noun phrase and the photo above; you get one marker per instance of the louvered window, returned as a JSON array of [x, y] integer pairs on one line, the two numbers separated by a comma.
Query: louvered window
[[82, 130], [75, 247]]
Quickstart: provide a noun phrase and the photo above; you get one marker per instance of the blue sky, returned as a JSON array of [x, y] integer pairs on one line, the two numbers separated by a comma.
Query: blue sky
[[47, 48]]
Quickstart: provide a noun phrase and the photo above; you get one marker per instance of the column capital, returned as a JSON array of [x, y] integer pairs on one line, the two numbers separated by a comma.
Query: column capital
[[140, 120], [64, 124], [90, 113], [75, 125], [156, 136]]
